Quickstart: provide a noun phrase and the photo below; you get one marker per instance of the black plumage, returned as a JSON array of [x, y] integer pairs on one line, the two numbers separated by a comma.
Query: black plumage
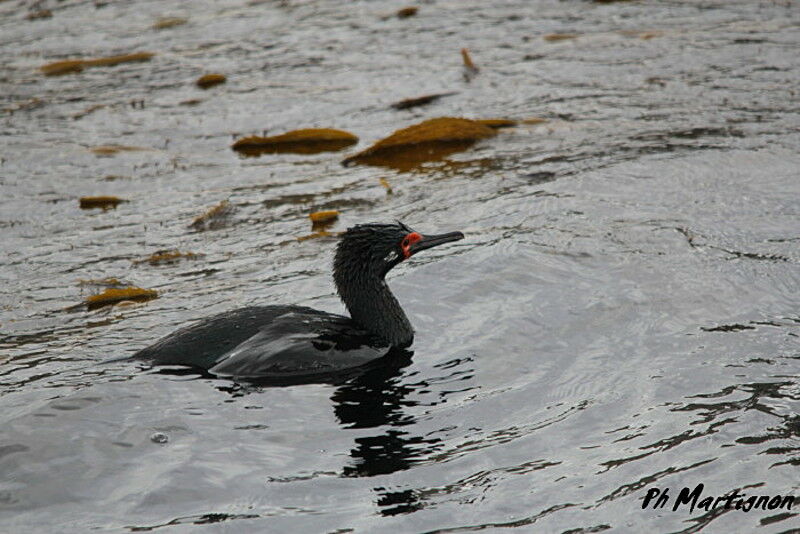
[[297, 343]]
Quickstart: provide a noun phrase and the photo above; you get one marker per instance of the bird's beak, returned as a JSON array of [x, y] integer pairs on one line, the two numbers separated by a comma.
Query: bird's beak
[[430, 241]]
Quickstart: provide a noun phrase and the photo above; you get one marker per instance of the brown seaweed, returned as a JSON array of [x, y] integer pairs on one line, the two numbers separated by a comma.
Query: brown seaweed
[[162, 257], [407, 12], [555, 37], [306, 141], [317, 235], [386, 185], [39, 14], [115, 295], [169, 22], [323, 217], [409, 103], [77, 65], [102, 202], [470, 69], [431, 140], [213, 217], [210, 80], [497, 123], [110, 150]]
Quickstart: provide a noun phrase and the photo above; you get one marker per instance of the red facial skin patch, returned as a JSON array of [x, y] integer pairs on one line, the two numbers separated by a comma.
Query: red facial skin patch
[[409, 240]]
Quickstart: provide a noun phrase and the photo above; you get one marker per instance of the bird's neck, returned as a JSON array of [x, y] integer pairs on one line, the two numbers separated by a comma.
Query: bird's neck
[[373, 306]]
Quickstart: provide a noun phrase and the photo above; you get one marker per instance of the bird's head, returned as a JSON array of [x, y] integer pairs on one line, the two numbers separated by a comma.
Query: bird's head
[[373, 249]]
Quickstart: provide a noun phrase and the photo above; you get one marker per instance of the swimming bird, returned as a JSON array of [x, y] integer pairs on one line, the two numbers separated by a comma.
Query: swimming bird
[[296, 343]]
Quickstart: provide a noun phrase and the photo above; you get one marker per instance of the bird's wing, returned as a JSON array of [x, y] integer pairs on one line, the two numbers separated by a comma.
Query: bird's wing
[[300, 344]]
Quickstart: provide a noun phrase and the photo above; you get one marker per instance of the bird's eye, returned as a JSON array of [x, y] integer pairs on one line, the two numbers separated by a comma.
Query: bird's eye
[[405, 242]]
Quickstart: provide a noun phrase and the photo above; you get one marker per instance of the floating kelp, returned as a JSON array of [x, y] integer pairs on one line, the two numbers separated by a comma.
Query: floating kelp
[[554, 37], [307, 141], [168, 22], [323, 217], [102, 202], [497, 123], [431, 140], [407, 12], [210, 80], [163, 257], [533, 120], [62, 67], [110, 61], [115, 295], [419, 101], [76, 65], [110, 150], [212, 218]]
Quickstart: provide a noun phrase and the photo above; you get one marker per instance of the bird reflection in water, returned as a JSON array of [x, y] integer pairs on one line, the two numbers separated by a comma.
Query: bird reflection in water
[[373, 397], [377, 399]]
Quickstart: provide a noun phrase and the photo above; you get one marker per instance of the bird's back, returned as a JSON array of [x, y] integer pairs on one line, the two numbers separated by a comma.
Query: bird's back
[[269, 342]]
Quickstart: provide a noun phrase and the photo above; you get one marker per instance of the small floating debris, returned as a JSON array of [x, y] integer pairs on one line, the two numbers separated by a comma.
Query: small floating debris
[[191, 102], [88, 111], [555, 37], [212, 218], [317, 235], [110, 150], [644, 35], [306, 141], [533, 120], [163, 257], [650, 35], [77, 65], [169, 22], [210, 80], [25, 105], [323, 217], [39, 14], [386, 185], [497, 123], [468, 60], [102, 202], [407, 12], [409, 103], [431, 140], [470, 70], [727, 328], [116, 295], [160, 438], [103, 282]]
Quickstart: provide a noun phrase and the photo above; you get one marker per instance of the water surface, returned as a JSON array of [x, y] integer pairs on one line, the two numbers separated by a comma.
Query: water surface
[[622, 315]]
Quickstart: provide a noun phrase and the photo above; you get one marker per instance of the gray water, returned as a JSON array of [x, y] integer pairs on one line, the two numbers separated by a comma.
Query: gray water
[[623, 314]]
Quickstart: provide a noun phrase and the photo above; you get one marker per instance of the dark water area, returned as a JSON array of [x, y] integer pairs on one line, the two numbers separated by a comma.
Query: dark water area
[[622, 315]]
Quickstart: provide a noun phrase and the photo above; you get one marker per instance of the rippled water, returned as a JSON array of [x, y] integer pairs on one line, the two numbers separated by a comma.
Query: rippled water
[[623, 314]]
